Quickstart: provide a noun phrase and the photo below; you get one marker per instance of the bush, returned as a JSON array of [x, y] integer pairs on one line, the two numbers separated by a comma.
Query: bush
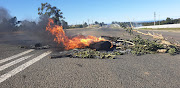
[[172, 51], [145, 46]]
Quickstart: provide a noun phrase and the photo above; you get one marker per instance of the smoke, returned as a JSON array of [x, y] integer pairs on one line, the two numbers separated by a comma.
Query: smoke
[[23, 32], [4, 20], [37, 31], [4, 14]]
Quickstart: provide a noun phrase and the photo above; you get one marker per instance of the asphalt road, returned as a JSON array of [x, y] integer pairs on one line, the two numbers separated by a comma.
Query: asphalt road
[[33, 69]]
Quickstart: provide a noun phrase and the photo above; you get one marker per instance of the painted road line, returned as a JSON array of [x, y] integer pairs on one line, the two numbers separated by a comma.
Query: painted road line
[[23, 66], [15, 56], [14, 62]]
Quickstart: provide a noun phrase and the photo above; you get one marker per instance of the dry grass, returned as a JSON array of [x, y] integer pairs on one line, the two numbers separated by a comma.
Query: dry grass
[[168, 29]]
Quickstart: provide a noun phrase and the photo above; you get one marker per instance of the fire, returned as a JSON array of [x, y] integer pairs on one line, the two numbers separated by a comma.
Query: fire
[[70, 43]]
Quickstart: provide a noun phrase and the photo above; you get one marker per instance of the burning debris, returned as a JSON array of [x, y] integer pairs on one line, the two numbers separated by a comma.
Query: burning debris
[[79, 41], [109, 47], [116, 46]]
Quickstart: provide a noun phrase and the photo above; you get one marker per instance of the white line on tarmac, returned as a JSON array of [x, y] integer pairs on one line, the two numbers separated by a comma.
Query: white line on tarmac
[[14, 62], [15, 56], [23, 66]]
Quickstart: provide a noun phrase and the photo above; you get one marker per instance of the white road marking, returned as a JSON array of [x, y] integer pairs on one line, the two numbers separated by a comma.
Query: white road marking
[[23, 66], [15, 56], [14, 62]]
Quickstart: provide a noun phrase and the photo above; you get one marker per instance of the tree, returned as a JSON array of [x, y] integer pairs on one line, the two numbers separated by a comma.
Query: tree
[[103, 23], [100, 24], [96, 22], [85, 24], [10, 24], [52, 12], [113, 22], [13, 21], [123, 25], [28, 25], [169, 21], [64, 24]]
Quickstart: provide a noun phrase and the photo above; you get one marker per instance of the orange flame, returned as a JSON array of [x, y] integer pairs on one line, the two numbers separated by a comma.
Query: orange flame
[[70, 43]]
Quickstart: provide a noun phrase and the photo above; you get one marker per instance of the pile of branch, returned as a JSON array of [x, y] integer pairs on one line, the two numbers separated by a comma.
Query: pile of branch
[[141, 46], [89, 53], [159, 37], [119, 43], [154, 35], [103, 50]]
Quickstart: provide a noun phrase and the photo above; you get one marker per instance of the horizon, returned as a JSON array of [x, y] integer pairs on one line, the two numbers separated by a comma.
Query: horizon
[[79, 11]]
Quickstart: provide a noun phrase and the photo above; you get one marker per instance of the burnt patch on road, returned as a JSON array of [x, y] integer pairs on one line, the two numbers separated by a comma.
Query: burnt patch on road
[[79, 65]]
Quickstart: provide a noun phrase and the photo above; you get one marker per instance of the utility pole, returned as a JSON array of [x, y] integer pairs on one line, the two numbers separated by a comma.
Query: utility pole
[[133, 23], [159, 20], [154, 18], [88, 21]]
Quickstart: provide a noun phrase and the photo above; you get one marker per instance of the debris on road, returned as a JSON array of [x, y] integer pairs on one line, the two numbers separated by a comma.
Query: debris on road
[[161, 50], [36, 46], [90, 53], [117, 46], [159, 37], [102, 45]]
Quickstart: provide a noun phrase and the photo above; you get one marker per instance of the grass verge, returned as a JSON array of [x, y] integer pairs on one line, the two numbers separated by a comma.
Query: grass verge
[[168, 29]]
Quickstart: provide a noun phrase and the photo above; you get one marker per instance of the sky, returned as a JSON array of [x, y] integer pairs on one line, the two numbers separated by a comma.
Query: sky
[[79, 11]]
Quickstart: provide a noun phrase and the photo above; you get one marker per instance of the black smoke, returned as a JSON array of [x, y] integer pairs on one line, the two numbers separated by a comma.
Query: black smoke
[[7, 23], [24, 32], [37, 31], [4, 14]]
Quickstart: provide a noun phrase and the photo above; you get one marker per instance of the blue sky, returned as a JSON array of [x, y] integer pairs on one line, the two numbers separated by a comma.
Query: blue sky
[[77, 11]]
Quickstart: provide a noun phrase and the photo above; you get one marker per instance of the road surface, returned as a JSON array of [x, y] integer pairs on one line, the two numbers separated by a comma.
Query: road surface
[[28, 68]]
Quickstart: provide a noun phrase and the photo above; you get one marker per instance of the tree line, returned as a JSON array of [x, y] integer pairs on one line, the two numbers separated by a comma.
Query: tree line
[[126, 24], [167, 21]]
